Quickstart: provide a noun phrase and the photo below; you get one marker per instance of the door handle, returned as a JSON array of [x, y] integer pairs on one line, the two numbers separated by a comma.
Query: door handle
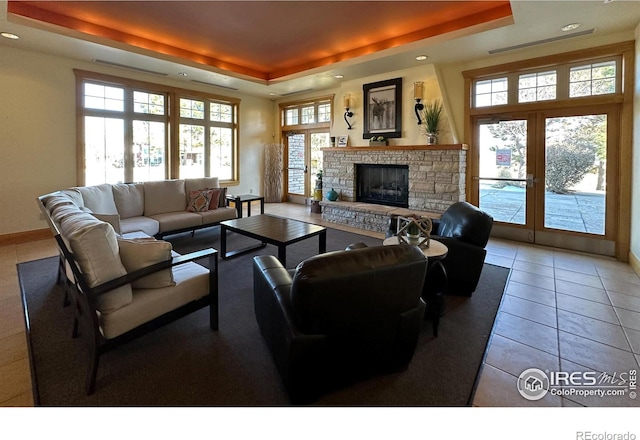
[[531, 180]]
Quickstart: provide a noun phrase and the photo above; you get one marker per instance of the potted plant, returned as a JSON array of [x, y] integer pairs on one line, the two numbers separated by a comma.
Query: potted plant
[[432, 115], [377, 141], [317, 193]]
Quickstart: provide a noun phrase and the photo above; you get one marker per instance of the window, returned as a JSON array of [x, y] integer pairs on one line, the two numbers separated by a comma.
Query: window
[[537, 87], [565, 81], [120, 146], [206, 145], [125, 128], [307, 114], [491, 92], [592, 79]]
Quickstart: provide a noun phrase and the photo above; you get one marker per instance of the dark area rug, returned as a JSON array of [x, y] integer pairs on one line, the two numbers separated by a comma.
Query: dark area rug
[[186, 364]]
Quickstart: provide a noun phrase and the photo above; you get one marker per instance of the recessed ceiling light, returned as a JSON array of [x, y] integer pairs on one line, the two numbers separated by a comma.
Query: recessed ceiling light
[[272, 94], [9, 35], [421, 57], [182, 73], [570, 27], [338, 76]]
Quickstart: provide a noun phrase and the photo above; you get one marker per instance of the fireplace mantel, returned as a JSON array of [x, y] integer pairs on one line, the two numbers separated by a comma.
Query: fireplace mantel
[[402, 147]]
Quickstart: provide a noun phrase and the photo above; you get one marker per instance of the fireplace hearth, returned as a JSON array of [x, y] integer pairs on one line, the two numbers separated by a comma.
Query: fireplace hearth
[[382, 184]]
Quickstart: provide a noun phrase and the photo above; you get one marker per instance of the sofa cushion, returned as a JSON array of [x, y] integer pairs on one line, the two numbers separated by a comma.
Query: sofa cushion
[[95, 248], [75, 195], [142, 252], [214, 216], [70, 219], [192, 283], [129, 199], [147, 225], [201, 183], [199, 200], [99, 198], [112, 219], [58, 199], [164, 196], [174, 221]]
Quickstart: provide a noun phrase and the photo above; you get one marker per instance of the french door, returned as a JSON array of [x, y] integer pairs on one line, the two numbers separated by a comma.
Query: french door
[[549, 177], [304, 161]]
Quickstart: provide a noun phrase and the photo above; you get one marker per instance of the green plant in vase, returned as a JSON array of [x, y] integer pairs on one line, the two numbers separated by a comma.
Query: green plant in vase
[[432, 116]]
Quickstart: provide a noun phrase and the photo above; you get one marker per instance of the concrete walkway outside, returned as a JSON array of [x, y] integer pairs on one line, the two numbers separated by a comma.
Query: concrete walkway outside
[[578, 211]]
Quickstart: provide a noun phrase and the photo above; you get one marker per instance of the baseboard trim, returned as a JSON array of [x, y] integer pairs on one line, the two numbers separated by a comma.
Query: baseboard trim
[[25, 237], [634, 261]]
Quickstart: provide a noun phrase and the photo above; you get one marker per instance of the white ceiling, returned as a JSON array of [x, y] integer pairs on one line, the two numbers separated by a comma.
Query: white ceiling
[[534, 21]]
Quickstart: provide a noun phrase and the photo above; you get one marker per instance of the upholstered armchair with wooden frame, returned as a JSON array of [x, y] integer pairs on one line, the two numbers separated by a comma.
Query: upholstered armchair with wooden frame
[[111, 310]]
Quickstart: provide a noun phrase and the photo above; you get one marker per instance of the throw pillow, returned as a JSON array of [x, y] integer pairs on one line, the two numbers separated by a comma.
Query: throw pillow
[[215, 198], [199, 200], [138, 253], [223, 198], [95, 248], [112, 219]]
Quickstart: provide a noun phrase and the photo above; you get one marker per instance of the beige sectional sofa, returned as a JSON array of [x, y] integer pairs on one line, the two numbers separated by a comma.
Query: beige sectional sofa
[[156, 208], [119, 277]]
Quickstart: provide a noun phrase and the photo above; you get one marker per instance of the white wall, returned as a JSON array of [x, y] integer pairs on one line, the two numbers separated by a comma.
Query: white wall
[[411, 133], [38, 133]]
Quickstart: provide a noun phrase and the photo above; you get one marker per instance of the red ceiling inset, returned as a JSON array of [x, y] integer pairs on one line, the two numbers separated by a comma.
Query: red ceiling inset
[[263, 39]]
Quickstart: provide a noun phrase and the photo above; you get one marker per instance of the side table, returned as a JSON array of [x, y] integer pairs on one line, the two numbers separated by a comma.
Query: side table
[[431, 293], [238, 200]]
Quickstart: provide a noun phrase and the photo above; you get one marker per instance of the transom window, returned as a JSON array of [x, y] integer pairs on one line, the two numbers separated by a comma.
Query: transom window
[[307, 114], [561, 82], [491, 92], [593, 79], [124, 126], [539, 86]]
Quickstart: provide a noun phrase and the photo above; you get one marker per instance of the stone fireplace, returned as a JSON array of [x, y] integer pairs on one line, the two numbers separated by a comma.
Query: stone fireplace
[[436, 179]]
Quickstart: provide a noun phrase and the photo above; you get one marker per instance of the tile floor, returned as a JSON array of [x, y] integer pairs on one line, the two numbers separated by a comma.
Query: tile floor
[[562, 311]]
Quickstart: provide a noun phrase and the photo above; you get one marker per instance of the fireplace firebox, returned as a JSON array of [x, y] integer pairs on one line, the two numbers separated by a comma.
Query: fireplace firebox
[[383, 184]]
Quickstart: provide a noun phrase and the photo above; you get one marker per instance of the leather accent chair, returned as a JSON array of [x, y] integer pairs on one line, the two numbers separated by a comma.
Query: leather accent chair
[[465, 230], [341, 316]]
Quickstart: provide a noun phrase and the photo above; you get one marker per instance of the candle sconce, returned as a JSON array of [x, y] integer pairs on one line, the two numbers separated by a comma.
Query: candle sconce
[[417, 95], [348, 102]]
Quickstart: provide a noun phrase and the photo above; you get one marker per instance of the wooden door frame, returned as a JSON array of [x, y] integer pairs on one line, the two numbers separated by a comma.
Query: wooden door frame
[[626, 50]]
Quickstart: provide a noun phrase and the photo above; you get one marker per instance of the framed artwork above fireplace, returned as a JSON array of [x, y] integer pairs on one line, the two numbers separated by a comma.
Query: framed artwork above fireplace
[[383, 109]]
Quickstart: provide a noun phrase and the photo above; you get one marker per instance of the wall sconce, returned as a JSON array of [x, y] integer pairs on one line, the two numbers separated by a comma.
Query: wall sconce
[[417, 95], [346, 99]]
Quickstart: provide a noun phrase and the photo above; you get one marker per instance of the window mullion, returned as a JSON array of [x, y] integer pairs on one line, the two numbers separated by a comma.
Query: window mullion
[[513, 81], [129, 160], [563, 82], [207, 138]]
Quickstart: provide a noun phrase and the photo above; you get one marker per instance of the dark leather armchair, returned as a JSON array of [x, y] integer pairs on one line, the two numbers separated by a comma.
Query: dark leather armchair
[[340, 316], [465, 230]]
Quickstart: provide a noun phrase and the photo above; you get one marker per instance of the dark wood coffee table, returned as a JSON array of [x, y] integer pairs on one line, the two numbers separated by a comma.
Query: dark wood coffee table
[[277, 231]]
